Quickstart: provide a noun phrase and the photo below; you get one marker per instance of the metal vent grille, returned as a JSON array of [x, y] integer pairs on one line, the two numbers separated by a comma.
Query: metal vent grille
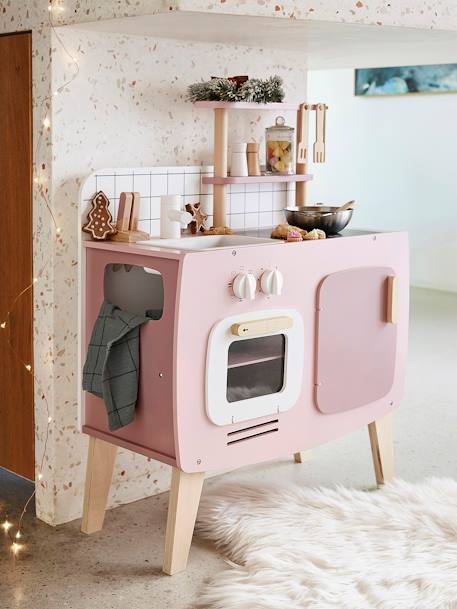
[[253, 431]]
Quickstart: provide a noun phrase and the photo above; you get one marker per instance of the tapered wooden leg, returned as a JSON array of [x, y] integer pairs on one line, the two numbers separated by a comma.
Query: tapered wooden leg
[[99, 473], [382, 448], [185, 496], [302, 456]]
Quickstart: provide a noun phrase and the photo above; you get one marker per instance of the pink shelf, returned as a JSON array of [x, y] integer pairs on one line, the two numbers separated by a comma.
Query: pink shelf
[[245, 105], [258, 179]]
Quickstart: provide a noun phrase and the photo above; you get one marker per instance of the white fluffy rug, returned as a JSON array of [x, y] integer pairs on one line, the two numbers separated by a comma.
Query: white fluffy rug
[[299, 548]]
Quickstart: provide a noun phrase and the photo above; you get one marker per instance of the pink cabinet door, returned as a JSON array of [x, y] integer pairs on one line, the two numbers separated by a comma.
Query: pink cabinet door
[[355, 344]]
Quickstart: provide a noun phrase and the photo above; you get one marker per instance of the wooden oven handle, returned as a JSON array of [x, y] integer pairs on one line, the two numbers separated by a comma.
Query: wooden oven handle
[[262, 326]]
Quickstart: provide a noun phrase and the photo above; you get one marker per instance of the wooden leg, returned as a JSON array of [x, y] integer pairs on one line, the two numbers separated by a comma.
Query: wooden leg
[[99, 473], [382, 448], [302, 456], [185, 495]]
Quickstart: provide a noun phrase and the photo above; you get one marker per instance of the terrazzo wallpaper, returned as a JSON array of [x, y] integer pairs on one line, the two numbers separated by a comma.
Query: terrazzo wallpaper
[[127, 109], [51, 365], [426, 14]]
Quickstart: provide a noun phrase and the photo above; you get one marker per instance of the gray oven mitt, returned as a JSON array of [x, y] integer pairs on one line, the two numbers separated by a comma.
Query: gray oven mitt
[[112, 365]]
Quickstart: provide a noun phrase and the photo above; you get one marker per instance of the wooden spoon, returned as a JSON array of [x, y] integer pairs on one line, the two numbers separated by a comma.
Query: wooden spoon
[[348, 205]]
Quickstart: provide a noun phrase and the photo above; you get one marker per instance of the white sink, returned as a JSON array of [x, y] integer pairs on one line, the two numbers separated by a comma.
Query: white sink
[[208, 242]]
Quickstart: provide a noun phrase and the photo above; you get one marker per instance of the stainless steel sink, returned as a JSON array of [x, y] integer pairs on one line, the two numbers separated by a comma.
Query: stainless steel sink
[[209, 242]]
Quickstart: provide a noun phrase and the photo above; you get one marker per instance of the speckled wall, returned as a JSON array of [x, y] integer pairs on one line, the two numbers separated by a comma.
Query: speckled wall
[[427, 14], [146, 84]]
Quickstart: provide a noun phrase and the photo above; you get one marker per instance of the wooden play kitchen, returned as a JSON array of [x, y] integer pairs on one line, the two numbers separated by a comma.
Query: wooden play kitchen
[[258, 349]]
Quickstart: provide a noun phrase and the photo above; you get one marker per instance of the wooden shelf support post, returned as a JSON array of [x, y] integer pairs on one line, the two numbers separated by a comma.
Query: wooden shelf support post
[[220, 165], [99, 473], [185, 493], [301, 168], [382, 448]]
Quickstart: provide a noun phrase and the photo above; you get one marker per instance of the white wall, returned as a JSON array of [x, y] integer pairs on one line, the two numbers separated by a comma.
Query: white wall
[[397, 156]]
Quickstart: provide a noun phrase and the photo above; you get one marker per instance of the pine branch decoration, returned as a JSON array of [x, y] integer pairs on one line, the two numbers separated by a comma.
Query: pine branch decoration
[[226, 89]]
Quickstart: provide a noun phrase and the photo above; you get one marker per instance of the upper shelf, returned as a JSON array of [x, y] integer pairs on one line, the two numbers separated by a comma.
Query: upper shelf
[[245, 105], [322, 44]]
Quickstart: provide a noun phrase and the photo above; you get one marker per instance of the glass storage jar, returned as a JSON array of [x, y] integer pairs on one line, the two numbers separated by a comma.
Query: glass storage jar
[[279, 141]]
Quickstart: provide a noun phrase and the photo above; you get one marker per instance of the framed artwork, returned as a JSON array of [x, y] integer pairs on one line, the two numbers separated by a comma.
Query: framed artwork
[[403, 80]]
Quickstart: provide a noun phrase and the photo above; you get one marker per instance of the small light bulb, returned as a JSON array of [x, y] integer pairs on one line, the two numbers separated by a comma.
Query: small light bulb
[[49, 419], [18, 535], [75, 59], [50, 7], [58, 230], [40, 476], [3, 325], [6, 525], [35, 279], [46, 123], [15, 547], [28, 367], [56, 93], [36, 180]]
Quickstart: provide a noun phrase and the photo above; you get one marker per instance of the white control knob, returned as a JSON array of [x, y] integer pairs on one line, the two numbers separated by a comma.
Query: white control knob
[[244, 286], [271, 282]]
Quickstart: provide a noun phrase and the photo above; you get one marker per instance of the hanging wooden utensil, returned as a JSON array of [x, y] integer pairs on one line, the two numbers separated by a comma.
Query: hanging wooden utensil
[[303, 122], [319, 144]]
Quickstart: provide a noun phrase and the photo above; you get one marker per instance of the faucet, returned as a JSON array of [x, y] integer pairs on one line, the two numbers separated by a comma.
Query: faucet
[[172, 217]]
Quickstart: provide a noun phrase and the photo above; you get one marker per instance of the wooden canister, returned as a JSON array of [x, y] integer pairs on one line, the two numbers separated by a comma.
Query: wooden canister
[[253, 159]]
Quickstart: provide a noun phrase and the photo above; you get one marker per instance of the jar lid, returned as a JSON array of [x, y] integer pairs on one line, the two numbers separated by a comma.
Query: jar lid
[[239, 147], [280, 124]]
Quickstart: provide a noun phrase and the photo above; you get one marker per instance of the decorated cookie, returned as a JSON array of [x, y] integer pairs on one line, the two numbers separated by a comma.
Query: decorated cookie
[[315, 234], [99, 219], [293, 235], [199, 218], [218, 230]]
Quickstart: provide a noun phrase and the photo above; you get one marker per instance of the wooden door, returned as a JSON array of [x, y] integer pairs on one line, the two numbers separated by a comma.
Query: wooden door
[[16, 384]]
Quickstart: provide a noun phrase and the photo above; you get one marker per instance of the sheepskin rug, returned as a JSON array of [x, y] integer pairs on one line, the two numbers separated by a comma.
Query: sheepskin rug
[[298, 548]]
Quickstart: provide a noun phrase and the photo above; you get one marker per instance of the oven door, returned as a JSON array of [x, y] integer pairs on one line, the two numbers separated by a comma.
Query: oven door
[[254, 365]]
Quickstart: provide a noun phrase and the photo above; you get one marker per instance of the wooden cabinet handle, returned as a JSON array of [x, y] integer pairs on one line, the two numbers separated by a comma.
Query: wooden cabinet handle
[[392, 297], [262, 326]]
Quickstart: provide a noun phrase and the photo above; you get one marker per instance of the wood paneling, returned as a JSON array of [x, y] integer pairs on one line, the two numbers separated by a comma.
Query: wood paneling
[[16, 384]]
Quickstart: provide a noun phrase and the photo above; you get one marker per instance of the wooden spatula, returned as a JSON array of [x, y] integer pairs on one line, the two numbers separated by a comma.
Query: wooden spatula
[[319, 144], [302, 148]]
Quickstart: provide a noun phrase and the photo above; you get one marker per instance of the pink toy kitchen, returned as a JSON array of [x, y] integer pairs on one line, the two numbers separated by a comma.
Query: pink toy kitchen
[[209, 344]]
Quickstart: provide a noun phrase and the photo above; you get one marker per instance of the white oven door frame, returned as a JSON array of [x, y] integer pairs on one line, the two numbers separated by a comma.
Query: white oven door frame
[[222, 412]]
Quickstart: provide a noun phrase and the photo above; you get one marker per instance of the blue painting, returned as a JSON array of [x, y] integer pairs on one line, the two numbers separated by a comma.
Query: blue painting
[[400, 80]]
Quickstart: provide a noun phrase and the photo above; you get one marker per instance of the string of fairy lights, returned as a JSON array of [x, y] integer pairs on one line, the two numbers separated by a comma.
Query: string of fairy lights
[[15, 530]]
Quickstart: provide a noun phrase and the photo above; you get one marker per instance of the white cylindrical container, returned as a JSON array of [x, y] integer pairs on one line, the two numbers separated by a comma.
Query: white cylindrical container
[[239, 164], [172, 217]]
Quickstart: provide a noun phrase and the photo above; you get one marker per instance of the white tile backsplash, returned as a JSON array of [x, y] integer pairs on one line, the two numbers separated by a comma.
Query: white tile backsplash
[[248, 205], [159, 185], [176, 184], [106, 183], [192, 184], [125, 183], [142, 184]]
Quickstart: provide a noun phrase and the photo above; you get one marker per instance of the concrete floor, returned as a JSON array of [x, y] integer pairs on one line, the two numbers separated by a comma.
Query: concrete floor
[[120, 567]]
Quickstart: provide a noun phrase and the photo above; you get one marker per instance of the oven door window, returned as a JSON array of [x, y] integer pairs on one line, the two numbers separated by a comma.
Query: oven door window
[[255, 367]]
